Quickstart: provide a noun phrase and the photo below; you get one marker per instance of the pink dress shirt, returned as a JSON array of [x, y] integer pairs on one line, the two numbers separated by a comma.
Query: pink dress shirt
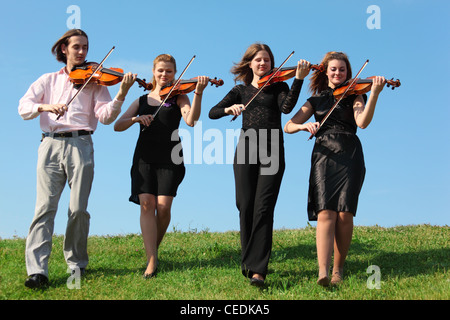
[[92, 104]]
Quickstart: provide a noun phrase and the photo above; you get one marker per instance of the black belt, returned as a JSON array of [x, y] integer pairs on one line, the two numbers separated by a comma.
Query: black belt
[[66, 134]]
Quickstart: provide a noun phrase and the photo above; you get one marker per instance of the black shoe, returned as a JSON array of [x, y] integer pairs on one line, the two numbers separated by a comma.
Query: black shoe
[[154, 273], [151, 275], [257, 282], [36, 281], [82, 272]]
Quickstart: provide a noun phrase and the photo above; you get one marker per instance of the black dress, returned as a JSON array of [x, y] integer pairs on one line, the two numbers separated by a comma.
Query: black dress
[[337, 162], [158, 166], [258, 166]]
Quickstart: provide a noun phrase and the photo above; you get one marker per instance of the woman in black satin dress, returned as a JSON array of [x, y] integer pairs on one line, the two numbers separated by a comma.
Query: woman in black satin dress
[[337, 162]]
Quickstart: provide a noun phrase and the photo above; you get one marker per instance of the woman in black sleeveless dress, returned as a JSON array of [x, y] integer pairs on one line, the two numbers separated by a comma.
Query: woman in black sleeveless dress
[[259, 159], [157, 171], [337, 162]]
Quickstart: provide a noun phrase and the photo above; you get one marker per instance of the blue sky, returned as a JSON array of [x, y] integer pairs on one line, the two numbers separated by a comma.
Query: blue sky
[[406, 146]]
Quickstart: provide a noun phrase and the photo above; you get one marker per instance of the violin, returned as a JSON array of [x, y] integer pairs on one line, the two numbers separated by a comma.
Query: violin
[[353, 86], [360, 86], [185, 86], [284, 74], [267, 81], [105, 77]]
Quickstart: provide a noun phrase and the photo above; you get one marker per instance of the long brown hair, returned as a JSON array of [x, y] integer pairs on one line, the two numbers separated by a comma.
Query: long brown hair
[[319, 80], [56, 49], [163, 58], [242, 70]]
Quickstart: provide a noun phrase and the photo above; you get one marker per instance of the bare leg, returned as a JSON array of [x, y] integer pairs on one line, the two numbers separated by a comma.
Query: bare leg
[[343, 239], [325, 232], [163, 208], [149, 229]]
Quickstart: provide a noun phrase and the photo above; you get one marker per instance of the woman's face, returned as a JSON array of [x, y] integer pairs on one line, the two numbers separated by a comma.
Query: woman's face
[[164, 73], [336, 72], [261, 63]]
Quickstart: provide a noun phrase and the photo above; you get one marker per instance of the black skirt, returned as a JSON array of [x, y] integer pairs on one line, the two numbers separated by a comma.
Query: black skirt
[[337, 174], [156, 179]]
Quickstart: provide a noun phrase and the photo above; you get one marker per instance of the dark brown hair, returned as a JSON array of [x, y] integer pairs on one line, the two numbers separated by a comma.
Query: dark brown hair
[[242, 70], [56, 49], [319, 80]]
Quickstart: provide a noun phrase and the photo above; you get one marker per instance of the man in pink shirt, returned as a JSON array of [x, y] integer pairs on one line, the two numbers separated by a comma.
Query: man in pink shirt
[[65, 154]]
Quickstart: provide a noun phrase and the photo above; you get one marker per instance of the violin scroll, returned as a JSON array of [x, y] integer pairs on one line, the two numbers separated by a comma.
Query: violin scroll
[[318, 67], [394, 84], [216, 82]]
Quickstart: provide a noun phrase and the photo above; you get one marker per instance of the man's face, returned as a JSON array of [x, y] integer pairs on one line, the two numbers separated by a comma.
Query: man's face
[[76, 51]]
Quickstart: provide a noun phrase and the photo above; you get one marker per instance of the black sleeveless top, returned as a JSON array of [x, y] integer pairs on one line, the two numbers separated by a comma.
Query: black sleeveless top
[[155, 143]]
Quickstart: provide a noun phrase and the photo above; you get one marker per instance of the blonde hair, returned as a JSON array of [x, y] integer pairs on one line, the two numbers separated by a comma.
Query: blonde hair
[[163, 58], [242, 70], [319, 80]]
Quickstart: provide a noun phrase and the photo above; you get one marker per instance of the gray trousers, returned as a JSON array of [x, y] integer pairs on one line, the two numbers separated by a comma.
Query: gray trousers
[[61, 160]]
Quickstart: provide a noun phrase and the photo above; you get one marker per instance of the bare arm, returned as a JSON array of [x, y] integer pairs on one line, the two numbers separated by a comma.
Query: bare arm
[[191, 113], [125, 85], [364, 113], [297, 123], [130, 117]]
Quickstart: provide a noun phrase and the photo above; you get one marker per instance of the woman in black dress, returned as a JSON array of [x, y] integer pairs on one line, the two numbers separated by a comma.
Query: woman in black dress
[[337, 163], [259, 158], [157, 171]]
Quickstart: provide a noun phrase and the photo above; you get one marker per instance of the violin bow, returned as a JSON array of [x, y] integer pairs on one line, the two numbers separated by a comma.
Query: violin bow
[[264, 85], [173, 87], [85, 84], [337, 102]]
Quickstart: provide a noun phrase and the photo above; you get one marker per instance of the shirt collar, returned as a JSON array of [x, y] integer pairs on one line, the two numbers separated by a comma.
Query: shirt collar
[[63, 71]]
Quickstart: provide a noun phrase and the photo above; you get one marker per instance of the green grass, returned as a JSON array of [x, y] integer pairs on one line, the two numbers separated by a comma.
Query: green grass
[[413, 261]]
